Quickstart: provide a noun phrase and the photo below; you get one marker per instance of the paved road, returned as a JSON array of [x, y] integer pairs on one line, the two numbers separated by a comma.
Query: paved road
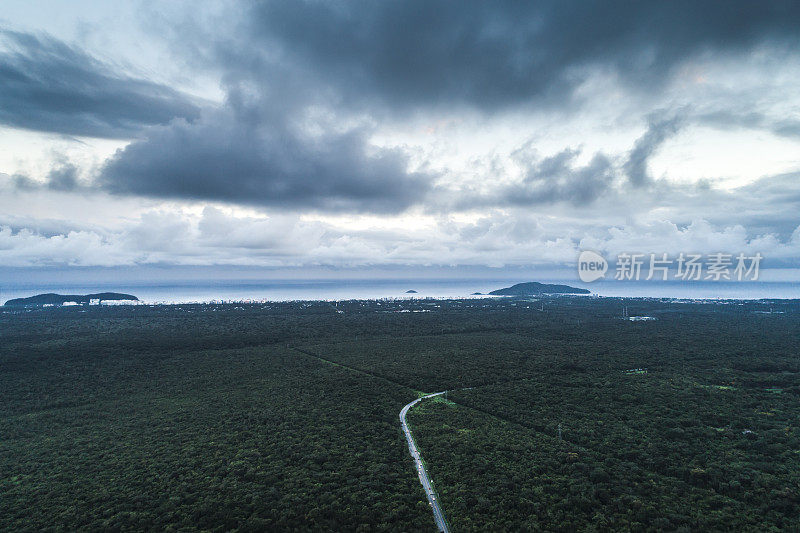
[[433, 498]]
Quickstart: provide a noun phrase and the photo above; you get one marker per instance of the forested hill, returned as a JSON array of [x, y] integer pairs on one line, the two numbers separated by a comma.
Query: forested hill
[[535, 288], [60, 299]]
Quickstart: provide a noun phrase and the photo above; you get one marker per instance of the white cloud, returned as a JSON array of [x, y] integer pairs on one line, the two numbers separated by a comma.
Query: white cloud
[[218, 236]]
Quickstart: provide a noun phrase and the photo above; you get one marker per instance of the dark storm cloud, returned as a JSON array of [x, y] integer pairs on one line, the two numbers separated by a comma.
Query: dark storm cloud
[[47, 85], [492, 54], [770, 204], [291, 59], [784, 127], [23, 183], [225, 158], [658, 131], [557, 179], [63, 177]]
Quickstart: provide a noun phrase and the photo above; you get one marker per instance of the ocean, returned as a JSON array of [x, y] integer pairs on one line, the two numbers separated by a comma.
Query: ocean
[[196, 291]]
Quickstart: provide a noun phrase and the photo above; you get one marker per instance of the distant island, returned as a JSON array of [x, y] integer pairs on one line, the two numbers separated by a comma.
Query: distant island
[[411, 291], [61, 299], [534, 288]]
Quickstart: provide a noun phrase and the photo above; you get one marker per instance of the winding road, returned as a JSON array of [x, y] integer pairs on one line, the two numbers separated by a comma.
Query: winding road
[[430, 492]]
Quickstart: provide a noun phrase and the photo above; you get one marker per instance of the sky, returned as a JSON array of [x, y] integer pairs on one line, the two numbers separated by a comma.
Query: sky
[[379, 135]]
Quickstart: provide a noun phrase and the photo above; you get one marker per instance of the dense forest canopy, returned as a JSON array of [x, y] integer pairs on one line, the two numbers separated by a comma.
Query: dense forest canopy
[[560, 415]]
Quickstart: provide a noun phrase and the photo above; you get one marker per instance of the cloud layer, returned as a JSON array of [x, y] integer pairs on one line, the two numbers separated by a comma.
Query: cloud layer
[[416, 132], [224, 158], [297, 71], [217, 237], [47, 85], [492, 55]]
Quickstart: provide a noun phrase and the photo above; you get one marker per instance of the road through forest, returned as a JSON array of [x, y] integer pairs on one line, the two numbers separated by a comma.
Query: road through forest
[[430, 492]]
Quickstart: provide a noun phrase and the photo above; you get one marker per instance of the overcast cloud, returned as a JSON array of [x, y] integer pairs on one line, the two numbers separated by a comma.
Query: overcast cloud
[[48, 85], [415, 132]]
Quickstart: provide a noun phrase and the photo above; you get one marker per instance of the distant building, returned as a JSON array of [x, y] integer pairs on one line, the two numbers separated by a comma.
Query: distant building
[[636, 371]]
